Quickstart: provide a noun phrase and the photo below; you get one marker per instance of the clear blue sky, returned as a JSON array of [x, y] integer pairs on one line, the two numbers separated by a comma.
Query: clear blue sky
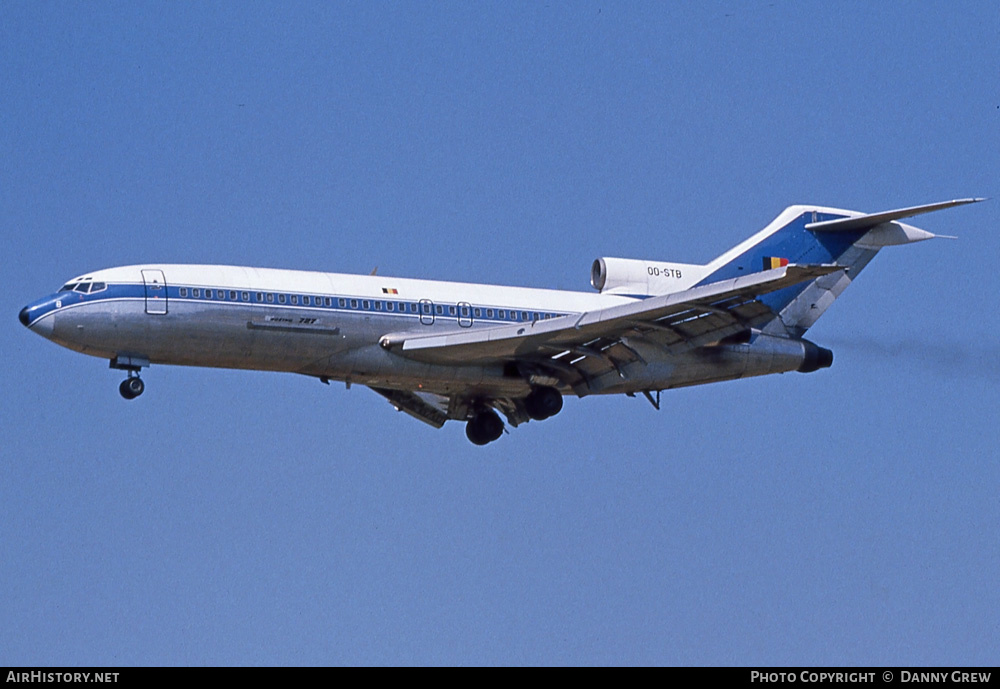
[[844, 517]]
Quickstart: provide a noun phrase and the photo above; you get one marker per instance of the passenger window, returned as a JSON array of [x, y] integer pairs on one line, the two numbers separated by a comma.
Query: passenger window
[[366, 304], [306, 301], [196, 292], [294, 299], [389, 306], [354, 303], [378, 306], [270, 297], [477, 312], [220, 294], [502, 315], [451, 310], [246, 296], [342, 302], [489, 313], [282, 298], [232, 294], [184, 291], [524, 315], [440, 310]]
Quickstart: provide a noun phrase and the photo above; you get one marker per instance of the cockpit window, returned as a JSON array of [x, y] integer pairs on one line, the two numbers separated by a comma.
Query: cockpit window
[[68, 287], [97, 287], [82, 287]]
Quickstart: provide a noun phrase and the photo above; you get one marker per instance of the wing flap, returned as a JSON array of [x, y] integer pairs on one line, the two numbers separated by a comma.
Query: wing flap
[[414, 405]]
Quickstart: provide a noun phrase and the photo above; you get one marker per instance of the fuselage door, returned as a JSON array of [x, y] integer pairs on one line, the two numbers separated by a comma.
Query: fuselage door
[[156, 291], [427, 312], [465, 314]]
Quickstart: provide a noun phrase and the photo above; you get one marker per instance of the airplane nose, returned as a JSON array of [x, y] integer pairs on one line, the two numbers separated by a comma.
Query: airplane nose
[[38, 316]]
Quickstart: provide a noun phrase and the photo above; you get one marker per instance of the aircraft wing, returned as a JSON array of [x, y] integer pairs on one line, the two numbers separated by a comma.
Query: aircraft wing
[[576, 350]]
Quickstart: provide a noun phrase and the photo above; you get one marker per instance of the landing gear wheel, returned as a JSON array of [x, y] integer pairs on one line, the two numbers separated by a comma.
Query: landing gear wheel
[[484, 427], [543, 402], [131, 388]]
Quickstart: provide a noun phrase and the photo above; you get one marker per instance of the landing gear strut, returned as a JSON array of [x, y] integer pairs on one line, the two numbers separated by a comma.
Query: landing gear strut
[[484, 427], [131, 387]]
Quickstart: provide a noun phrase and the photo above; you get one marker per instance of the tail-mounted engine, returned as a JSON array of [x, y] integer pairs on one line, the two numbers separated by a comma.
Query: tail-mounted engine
[[631, 277], [762, 354]]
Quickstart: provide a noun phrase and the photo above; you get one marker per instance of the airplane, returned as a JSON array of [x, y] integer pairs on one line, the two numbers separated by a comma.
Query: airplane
[[470, 352]]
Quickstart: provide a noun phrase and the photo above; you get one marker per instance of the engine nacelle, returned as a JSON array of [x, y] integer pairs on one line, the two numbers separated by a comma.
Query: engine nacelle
[[816, 357], [766, 354], [627, 276]]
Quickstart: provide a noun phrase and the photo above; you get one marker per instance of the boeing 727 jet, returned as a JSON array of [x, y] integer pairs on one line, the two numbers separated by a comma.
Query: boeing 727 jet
[[471, 352]]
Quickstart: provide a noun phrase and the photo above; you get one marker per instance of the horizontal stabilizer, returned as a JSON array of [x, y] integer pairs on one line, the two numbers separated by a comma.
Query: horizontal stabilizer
[[860, 223]]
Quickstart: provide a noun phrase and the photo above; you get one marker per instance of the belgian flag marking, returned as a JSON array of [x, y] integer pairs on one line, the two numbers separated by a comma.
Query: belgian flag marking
[[390, 290], [774, 262]]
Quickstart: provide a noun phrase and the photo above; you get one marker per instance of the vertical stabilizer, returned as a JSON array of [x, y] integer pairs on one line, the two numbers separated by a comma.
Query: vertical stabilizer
[[816, 234]]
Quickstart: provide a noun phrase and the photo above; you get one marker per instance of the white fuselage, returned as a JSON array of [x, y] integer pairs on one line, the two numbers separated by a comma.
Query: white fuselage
[[326, 325], [449, 350]]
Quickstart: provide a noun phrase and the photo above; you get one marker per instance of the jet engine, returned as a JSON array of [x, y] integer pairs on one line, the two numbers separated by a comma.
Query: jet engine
[[763, 354], [632, 277]]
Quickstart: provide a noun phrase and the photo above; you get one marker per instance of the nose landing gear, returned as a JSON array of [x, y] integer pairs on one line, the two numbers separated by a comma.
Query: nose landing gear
[[131, 387]]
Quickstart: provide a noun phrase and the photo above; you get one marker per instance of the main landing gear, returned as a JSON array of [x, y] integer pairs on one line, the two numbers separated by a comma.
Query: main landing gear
[[543, 402], [131, 387], [484, 427]]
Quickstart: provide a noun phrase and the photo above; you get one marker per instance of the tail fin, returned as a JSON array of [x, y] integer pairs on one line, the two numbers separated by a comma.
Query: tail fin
[[815, 234]]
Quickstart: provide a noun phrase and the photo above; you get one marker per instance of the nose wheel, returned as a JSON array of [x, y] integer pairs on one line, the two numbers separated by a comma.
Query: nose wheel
[[131, 387]]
